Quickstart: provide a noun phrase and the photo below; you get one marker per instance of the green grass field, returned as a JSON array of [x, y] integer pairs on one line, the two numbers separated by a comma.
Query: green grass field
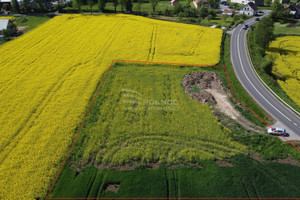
[[130, 120], [246, 178], [189, 133], [287, 28], [32, 22]]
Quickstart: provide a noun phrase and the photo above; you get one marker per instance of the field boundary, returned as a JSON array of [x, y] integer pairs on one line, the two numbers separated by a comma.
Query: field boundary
[[97, 93]]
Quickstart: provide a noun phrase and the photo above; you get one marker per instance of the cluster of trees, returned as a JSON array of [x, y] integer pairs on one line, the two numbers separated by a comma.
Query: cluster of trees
[[263, 34], [24, 7], [126, 5], [11, 29], [27, 6], [278, 12]]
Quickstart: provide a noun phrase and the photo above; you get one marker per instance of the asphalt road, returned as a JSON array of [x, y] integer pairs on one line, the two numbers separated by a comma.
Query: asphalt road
[[242, 65]]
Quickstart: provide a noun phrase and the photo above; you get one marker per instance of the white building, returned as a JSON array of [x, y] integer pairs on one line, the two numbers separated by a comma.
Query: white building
[[257, 2], [241, 1], [249, 9]]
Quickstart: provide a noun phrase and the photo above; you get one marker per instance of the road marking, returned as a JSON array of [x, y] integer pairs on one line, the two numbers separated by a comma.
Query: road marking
[[240, 59], [295, 124]]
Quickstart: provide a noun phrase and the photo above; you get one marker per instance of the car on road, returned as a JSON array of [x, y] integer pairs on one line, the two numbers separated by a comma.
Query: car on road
[[277, 131], [261, 12], [257, 19], [246, 27]]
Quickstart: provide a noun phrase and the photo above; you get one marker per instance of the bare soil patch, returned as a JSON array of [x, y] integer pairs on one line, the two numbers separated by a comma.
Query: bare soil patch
[[292, 25], [22, 28], [185, 165], [221, 163], [211, 90], [288, 161], [112, 187]]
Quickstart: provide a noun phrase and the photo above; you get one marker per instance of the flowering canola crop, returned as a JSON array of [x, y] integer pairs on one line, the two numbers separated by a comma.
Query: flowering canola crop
[[48, 76], [286, 51]]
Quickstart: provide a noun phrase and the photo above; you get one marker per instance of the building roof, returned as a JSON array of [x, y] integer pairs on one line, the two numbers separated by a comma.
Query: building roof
[[253, 6], [3, 24]]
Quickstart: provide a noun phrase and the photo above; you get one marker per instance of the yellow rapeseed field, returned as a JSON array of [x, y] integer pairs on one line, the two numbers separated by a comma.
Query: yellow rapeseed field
[[8, 17], [48, 75], [286, 51]]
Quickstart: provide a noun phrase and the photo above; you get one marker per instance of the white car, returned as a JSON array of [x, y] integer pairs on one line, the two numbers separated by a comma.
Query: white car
[[276, 131]]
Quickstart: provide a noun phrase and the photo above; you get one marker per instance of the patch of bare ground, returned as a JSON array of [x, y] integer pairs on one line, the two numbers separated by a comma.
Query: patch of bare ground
[[256, 156], [185, 165], [211, 90], [223, 163], [112, 187], [124, 167], [22, 28], [288, 161], [292, 25], [132, 166]]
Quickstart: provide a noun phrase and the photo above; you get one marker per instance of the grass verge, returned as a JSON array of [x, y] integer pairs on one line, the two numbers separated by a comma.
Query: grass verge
[[239, 92]]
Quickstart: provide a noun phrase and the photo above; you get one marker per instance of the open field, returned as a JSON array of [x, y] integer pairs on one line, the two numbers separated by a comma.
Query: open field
[[286, 54], [32, 22], [292, 28], [48, 76], [239, 177], [115, 135], [131, 121]]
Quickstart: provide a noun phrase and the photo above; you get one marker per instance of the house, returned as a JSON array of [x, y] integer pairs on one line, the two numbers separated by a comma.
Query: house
[[240, 1], [257, 2], [174, 2], [3, 25], [228, 12], [249, 9], [294, 10]]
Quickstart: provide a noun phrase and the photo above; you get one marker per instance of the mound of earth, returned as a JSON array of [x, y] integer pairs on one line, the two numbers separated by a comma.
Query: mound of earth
[[202, 80], [207, 87]]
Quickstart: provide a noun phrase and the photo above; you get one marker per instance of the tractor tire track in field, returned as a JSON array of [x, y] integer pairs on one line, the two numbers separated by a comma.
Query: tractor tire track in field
[[276, 177], [245, 188], [175, 184], [167, 184], [33, 114], [152, 44], [254, 188], [91, 183], [68, 73], [110, 39], [28, 70], [194, 48]]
